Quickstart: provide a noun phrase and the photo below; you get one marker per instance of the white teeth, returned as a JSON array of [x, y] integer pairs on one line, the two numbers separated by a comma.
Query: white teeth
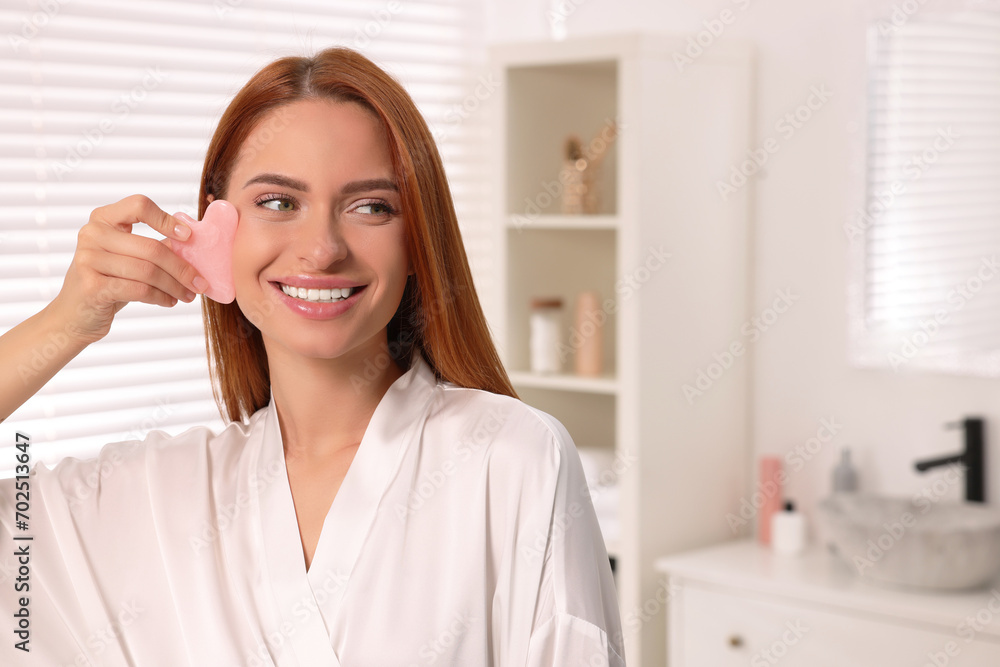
[[317, 295]]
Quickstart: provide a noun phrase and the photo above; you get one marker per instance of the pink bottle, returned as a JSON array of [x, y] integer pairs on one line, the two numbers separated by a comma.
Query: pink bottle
[[587, 335], [770, 489]]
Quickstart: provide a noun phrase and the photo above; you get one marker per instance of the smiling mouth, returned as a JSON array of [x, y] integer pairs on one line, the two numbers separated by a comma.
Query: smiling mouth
[[320, 295]]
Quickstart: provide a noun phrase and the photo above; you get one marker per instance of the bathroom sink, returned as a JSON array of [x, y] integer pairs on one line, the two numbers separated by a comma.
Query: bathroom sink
[[913, 542]]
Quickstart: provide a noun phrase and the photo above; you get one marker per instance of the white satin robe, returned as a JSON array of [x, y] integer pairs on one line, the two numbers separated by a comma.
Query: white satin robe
[[463, 534]]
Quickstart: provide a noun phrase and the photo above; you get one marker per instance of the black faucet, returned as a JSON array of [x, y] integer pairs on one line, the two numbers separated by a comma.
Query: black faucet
[[971, 458]]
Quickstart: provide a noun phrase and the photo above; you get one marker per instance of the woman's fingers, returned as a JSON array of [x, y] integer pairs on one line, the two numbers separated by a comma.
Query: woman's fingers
[[112, 266], [124, 290], [144, 259], [140, 208], [142, 271]]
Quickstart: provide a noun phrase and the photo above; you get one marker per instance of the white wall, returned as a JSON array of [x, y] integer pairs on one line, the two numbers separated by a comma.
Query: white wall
[[802, 200]]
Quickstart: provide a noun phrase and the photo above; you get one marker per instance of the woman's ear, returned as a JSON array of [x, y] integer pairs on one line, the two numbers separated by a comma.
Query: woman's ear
[[210, 198]]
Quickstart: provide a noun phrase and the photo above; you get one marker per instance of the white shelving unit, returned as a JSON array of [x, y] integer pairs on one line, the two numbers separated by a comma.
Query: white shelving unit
[[678, 132]]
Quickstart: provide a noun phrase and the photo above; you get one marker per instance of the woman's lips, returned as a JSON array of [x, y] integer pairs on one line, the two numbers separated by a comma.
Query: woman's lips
[[316, 310]]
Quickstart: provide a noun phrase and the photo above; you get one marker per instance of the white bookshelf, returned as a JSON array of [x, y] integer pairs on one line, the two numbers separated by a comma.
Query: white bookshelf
[[678, 133]]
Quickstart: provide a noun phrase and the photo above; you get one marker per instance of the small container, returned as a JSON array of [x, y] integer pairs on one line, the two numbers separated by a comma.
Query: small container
[[845, 477], [771, 492], [546, 335], [587, 337], [788, 531]]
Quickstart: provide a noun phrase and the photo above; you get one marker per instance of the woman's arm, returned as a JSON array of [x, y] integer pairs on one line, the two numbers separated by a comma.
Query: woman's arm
[[31, 353], [111, 266]]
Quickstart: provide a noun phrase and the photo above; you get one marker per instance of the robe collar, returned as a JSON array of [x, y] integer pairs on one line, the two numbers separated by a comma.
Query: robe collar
[[309, 602]]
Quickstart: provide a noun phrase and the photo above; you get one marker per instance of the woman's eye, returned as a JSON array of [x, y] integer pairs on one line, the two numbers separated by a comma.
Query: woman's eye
[[375, 208], [278, 204]]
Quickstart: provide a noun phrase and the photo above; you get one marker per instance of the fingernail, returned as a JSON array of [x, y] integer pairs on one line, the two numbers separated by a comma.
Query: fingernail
[[182, 232], [189, 296], [200, 284]]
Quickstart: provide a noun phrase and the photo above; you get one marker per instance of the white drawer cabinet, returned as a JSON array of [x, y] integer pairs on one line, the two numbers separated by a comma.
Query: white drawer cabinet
[[719, 628], [739, 605]]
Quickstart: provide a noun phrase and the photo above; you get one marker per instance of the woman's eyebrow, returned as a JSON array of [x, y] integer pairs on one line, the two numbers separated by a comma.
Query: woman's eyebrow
[[351, 188], [278, 179], [370, 184]]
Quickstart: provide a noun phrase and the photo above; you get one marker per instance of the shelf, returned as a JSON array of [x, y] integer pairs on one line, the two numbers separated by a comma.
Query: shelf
[[556, 263], [566, 382], [623, 97], [546, 104], [569, 222]]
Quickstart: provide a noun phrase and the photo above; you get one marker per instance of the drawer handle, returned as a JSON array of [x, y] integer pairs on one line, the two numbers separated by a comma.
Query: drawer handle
[[735, 641]]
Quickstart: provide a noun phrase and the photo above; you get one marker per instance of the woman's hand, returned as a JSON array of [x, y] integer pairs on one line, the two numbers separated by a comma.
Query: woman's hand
[[112, 266]]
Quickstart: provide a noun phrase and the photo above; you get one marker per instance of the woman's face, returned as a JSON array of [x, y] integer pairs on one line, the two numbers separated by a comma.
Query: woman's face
[[319, 210]]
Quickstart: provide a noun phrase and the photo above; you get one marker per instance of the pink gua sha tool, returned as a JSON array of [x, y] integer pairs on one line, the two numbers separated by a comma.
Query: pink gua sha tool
[[210, 248]]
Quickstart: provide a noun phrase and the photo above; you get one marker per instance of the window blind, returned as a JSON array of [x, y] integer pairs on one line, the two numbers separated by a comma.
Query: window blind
[[107, 98], [932, 220]]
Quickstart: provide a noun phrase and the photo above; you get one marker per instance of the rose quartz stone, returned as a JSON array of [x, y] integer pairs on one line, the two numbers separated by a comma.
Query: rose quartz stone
[[209, 249]]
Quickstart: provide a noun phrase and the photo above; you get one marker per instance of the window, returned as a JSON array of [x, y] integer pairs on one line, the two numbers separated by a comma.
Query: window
[[925, 287], [108, 98]]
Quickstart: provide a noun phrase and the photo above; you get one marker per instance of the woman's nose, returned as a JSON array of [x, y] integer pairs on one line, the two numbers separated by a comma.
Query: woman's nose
[[320, 242]]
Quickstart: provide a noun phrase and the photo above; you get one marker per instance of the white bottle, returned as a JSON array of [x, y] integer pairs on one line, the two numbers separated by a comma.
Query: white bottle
[[545, 339], [788, 531]]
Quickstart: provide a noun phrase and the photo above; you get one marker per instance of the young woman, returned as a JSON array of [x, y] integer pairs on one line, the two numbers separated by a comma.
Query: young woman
[[381, 496]]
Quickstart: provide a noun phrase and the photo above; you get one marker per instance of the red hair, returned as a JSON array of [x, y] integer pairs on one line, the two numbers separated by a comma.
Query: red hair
[[439, 314]]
